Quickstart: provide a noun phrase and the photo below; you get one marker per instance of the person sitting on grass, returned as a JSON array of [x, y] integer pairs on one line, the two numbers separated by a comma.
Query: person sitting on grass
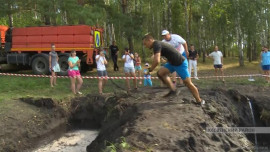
[[74, 73], [129, 69], [138, 68], [101, 70], [147, 76], [175, 62]]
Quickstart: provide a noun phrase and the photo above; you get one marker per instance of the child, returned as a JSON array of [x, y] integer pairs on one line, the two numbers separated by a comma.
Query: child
[[147, 79], [138, 67], [101, 70]]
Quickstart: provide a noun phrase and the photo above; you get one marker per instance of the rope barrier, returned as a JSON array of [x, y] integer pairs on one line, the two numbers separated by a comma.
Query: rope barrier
[[121, 78]]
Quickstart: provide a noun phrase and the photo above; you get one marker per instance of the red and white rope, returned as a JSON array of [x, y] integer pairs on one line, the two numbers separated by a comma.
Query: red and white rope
[[121, 78]]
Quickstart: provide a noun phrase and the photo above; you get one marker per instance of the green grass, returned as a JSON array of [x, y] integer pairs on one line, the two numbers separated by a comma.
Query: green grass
[[17, 87]]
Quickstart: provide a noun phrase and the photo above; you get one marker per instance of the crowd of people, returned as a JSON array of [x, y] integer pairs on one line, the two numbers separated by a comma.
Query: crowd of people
[[171, 54]]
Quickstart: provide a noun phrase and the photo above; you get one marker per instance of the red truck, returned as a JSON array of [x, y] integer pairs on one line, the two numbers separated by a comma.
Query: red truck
[[31, 45]]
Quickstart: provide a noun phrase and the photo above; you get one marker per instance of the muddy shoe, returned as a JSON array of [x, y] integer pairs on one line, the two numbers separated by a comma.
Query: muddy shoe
[[202, 103], [171, 93]]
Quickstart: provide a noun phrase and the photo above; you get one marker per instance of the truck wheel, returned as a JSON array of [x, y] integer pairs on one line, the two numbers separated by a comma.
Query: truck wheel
[[63, 63], [40, 65]]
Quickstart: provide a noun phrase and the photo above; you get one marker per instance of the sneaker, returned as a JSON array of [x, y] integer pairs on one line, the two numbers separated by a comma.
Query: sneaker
[[172, 93], [196, 78], [79, 93], [200, 103]]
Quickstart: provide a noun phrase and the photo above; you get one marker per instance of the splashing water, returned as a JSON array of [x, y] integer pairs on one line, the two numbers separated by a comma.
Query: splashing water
[[254, 123]]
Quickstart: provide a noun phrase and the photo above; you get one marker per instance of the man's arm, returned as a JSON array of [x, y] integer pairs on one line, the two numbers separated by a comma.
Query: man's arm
[[155, 62], [186, 49]]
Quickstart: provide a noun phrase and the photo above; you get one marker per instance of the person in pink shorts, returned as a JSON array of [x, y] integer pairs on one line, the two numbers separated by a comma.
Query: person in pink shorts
[[74, 73]]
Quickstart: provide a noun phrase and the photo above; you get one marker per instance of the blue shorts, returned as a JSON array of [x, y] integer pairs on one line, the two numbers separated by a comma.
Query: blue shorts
[[219, 66], [184, 54], [266, 67], [138, 68], [181, 70]]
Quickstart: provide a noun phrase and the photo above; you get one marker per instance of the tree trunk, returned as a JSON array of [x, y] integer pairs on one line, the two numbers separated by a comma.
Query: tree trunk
[[170, 16], [254, 51], [187, 20], [164, 23], [81, 3], [130, 43]]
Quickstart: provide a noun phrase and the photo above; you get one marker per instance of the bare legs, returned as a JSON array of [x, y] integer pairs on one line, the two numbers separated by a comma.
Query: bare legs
[[267, 73], [221, 73], [53, 79], [163, 76], [134, 80], [101, 84], [76, 88]]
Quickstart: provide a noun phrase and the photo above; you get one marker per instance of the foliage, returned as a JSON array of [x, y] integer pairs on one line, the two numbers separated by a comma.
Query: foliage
[[204, 23]]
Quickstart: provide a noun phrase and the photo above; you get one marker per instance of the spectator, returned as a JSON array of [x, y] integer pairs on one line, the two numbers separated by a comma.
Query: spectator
[[192, 58], [138, 68], [147, 76], [101, 70], [53, 65], [129, 69], [265, 61], [74, 73], [179, 44], [114, 53], [218, 62]]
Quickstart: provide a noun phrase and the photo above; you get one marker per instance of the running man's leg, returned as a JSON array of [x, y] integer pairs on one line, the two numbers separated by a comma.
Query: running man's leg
[[163, 73], [193, 89]]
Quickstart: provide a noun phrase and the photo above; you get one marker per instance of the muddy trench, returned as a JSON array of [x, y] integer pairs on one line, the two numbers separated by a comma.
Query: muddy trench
[[110, 116]]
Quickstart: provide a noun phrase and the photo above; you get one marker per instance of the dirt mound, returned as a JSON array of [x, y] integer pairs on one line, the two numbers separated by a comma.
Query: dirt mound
[[147, 122], [24, 126], [41, 102]]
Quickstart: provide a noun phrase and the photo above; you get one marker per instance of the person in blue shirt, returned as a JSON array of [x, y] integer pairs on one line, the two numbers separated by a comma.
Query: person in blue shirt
[[265, 62], [147, 76]]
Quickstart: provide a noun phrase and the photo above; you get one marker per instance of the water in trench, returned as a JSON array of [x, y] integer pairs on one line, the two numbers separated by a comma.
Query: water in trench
[[73, 141]]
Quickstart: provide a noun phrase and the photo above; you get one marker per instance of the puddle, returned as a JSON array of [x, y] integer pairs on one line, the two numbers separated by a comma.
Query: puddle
[[74, 141]]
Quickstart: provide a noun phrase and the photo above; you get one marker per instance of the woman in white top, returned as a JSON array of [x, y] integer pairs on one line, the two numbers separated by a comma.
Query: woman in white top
[[101, 70], [129, 69]]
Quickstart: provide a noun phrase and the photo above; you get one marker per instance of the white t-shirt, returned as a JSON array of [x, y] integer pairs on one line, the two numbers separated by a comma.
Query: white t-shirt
[[100, 63], [129, 62], [177, 42], [217, 57]]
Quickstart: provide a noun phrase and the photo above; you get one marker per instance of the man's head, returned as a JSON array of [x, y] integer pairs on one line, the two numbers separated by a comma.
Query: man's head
[[113, 42], [216, 48], [192, 47], [148, 41], [166, 35]]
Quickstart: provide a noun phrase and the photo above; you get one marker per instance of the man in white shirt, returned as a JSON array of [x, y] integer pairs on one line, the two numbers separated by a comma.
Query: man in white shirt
[[218, 62], [129, 69], [179, 44], [101, 70]]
